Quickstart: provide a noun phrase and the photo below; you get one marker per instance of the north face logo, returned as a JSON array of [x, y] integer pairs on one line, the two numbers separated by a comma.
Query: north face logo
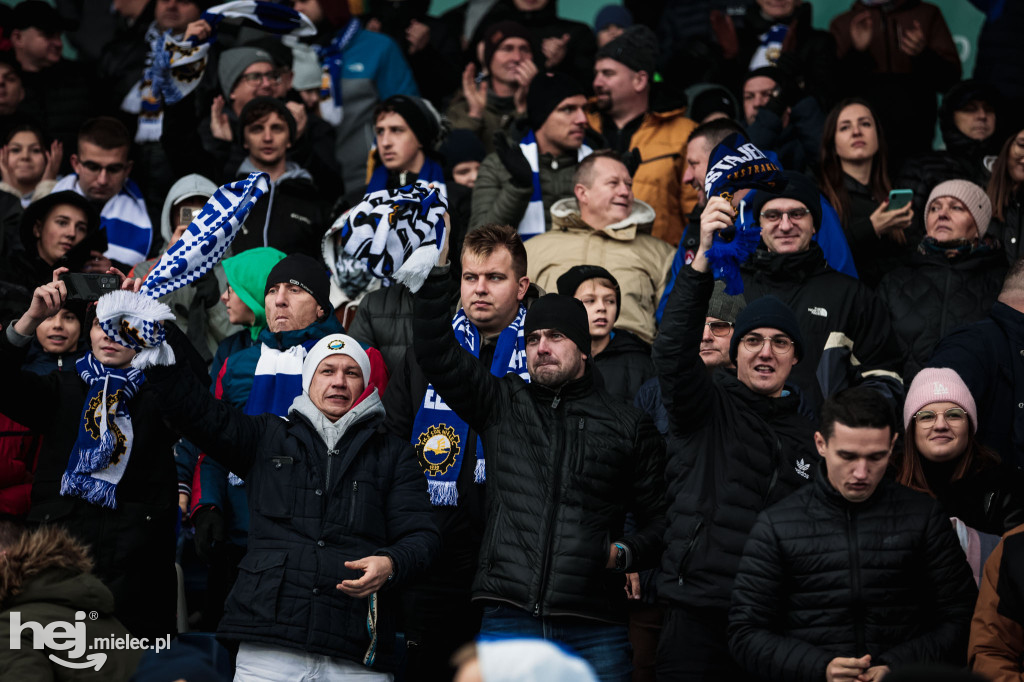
[[939, 389], [801, 468], [820, 312]]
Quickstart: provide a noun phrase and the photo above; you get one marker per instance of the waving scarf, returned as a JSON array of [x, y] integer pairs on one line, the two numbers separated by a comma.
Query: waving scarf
[[736, 164], [439, 435], [105, 435], [394, 234], [177, 66], [131, 318], [533, 222]]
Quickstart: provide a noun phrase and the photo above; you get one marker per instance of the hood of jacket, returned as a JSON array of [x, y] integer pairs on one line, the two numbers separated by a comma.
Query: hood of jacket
[[189, 186], [565, 216], [46, 549]]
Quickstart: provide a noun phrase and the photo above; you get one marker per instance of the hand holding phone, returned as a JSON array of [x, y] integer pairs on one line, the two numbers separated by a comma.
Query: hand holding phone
[[899, 199], [88, 287]]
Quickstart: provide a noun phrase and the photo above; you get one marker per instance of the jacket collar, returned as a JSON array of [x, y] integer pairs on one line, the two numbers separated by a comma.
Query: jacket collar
[[573, 390], [565, 216], [788, 266], [315, 331]]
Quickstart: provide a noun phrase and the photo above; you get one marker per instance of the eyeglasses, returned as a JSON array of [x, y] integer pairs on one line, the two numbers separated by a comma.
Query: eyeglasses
[[953, 416], [781, 345], [112, 169], [255, 78], [773, 216], [719, 328]]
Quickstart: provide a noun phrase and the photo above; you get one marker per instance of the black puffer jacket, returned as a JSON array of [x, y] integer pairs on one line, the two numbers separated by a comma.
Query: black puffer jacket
[[563, 468], [311, 509], [732, 453], [822, 577], [935, 295], [847, 335], [624, 365], [1010, 230], [874, 256], [292, 217]]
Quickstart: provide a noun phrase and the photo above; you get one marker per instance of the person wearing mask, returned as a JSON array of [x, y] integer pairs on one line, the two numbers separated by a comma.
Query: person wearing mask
[[855, 180], [953, 278]]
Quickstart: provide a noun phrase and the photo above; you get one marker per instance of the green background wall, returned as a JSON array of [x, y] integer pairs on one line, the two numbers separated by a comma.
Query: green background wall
[[963, 19]]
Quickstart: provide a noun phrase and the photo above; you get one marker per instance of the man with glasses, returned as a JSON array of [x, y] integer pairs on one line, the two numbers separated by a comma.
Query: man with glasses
[[737, 443], [846, 327], [101, 167], [854, 574]]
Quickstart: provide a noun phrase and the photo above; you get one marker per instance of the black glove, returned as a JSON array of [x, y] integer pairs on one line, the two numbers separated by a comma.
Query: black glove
[[632, 160], [210, 534], [511, 156]]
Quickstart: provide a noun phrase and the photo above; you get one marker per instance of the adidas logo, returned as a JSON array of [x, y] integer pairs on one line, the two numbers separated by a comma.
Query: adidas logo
[[939, 389], [802, 467], [820, 312]]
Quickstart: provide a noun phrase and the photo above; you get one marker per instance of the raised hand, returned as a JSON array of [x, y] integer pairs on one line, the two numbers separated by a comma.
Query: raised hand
[[476, 95], [862, 28], [53, 160], [220, 127]]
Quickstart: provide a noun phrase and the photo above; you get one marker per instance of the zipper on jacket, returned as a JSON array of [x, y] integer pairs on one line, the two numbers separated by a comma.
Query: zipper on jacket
[[689, 547], [851, 542], [352, 502], [580, 452], [776, 459], [330, 458], [556, 486], [557, 399]]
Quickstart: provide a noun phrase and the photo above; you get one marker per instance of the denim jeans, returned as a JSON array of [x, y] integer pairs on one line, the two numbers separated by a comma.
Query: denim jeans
[[603, 645], [268, 663]]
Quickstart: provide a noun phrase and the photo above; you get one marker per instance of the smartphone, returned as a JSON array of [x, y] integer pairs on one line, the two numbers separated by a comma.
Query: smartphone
[[899, 198], [83, 286], [186, 214]]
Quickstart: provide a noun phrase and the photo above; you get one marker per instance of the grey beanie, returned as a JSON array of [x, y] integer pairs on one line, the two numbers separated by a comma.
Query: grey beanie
[[235, 61], [723, 306], [306, 68]]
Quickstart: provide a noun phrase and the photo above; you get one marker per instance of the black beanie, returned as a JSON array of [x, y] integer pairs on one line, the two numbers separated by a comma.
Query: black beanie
[[798, 187], [575, 276], [547, 90], [306, 272], [636, 48], [767, 311], [564, 313], [496, 34], [421, 117], [460, 146]]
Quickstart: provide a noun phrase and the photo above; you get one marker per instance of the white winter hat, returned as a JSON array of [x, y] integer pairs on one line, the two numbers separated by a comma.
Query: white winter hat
[[335, 344]]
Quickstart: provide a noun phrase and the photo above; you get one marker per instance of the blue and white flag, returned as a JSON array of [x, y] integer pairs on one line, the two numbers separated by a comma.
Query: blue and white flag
[[533, 222], [131, 318], [736, 164]]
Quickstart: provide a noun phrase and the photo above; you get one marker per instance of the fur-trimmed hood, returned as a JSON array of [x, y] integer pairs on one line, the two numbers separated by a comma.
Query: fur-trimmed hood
[[35, 552]]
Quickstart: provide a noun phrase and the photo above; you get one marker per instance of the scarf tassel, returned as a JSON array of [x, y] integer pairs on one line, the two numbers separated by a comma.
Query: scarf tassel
[[443, 493], [480, 471], [92, 490], [725, 257]]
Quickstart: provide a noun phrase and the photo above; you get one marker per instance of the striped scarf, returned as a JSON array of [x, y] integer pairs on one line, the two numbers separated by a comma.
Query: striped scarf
[[132, 319], [332, 64], [533, 222], [125, 219], [105, 434]]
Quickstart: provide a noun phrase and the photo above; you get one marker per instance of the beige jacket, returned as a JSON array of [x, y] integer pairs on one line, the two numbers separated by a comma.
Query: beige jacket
[[637, 260]]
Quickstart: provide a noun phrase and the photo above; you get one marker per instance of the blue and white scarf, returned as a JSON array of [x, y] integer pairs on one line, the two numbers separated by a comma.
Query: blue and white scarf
[[533, 222], [332, 65], [177, 66], [736, 164], [430, 173], [769, 47], [131, 318], [439, 435], [105, 435], [124, 217], [393, 234]]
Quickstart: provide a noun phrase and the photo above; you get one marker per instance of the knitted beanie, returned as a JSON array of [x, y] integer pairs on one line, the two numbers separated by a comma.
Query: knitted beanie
[[612, 15], [569, 282], [938, 385], [636, 48], [247, 276], [767, 311], [421, 117], [973, 197], [564, 313], [306, 272], [798, 187], [496, 34], [723, 306], [335, 344], [234, 62], [547, 90]]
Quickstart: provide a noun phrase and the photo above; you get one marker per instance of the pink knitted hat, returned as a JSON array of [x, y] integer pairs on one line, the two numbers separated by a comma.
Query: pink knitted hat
[[938, 385], [973, 196]]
